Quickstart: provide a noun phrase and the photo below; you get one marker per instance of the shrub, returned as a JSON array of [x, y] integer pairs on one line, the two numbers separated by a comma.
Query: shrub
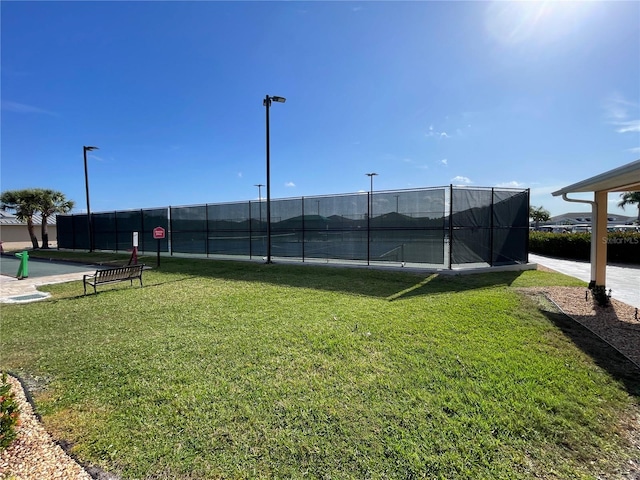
[[9, 414], [623, 247]]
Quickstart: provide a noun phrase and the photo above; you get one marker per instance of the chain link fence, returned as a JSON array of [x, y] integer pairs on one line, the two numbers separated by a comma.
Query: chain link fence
[[442, 227]]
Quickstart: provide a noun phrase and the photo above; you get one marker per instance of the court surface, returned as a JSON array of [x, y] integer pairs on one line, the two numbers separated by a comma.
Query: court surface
[[41, 268]]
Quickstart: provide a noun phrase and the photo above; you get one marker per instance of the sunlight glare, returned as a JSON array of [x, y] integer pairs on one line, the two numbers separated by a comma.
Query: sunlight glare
[[538, 22]]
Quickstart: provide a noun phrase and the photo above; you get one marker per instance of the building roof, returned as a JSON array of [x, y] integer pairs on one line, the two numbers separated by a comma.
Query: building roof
[[585, 217], [622, 179], [7, 218]]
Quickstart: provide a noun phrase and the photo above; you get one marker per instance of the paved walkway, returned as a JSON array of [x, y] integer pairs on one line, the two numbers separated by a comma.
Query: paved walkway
[[12, 289], [624, 281], [41, 272]]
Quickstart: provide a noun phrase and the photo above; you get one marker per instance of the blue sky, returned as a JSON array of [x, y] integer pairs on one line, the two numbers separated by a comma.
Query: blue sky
[[522, 94]]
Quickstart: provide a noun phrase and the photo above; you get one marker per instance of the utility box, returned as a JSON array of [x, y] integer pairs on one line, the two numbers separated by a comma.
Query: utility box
[[23, 268]]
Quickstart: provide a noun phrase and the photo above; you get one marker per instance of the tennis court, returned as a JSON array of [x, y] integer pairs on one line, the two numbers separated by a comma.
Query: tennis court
[[41, 268]]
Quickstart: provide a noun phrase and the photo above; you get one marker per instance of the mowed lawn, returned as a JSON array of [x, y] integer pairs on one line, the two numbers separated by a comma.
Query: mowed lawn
[[243, 370]]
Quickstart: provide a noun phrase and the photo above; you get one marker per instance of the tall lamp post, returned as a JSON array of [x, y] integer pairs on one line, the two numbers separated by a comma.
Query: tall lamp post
[[370, 175], [267, 103], [260, 185], [86, 149]]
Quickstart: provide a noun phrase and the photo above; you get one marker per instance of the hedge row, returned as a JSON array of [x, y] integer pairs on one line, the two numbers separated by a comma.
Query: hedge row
[[622, 247]]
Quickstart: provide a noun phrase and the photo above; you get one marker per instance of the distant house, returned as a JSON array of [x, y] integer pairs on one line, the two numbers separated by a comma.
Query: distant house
[[14, 234], [585, 217], [581, 218]]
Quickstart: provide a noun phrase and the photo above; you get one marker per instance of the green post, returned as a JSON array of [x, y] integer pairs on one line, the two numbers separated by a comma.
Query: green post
[[23, 269]]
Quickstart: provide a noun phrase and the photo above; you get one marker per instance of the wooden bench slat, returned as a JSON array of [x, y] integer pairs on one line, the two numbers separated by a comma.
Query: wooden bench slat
[[112, 275]]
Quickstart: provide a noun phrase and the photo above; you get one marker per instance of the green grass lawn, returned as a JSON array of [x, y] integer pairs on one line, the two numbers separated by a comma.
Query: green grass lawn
[[243, 370]]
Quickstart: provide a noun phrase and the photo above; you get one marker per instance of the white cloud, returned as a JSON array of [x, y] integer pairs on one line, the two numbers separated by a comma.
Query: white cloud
[[630, 126], [435, 133], [634, 150], [289, 184], [460, 180], [511, 184], [444, 161], [239, 174], [617, 107], [620, 113], [23, 108]]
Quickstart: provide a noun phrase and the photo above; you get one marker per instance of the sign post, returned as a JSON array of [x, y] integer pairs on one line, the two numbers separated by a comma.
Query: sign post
[[134, 253], [158, 234]]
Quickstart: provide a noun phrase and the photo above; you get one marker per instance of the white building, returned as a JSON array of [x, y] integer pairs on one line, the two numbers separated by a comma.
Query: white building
[[15, 236]]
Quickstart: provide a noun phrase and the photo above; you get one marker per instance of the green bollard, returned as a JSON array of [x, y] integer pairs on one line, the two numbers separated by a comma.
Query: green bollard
[[23, 269]]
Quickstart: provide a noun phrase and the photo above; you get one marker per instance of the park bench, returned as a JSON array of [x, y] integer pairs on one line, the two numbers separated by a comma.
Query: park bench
[[113, 275]]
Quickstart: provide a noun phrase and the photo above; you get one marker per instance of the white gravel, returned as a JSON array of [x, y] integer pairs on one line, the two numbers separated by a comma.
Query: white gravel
[[34, 455]]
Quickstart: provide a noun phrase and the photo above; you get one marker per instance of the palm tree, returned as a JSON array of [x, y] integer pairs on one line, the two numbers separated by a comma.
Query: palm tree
[[629, 198], [539, 214], [49, 203], [24, 203]]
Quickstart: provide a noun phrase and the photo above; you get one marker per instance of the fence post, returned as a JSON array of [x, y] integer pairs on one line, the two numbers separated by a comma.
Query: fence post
[[450, 225], [250, 234], [303, 229], [491, 231], [206, 238], [142, 229], [368, 227], [170, 230]]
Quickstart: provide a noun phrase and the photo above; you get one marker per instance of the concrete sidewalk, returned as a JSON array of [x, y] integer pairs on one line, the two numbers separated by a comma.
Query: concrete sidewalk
[[624, 281], [13, 290]]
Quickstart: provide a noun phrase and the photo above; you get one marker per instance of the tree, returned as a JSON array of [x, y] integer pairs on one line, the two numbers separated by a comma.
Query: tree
[[629, 198], [49, 203], [24, 203], [538, 214]]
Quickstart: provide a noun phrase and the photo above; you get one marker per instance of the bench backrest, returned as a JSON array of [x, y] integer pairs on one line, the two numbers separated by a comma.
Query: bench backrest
[[130, 271]]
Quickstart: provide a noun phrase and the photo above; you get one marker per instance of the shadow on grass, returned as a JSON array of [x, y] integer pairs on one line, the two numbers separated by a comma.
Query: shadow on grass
[[382, 283], [438, 283], [119, 286], [604, 355], [388, 284]]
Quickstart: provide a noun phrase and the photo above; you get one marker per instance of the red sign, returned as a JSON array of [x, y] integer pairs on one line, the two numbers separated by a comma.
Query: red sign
[[158, 233]]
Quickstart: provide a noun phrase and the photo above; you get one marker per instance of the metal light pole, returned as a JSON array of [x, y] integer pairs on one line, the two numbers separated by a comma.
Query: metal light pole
[[267, 103], [371, 175], [259, 185], [86, 149]]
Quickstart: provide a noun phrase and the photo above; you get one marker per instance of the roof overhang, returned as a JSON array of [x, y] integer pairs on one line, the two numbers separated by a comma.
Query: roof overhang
[[622, 179]]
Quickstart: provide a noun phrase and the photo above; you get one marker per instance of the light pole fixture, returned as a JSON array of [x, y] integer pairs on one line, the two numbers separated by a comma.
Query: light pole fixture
[[371, 175], [260, 185], [267, 103], [86, 149]]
